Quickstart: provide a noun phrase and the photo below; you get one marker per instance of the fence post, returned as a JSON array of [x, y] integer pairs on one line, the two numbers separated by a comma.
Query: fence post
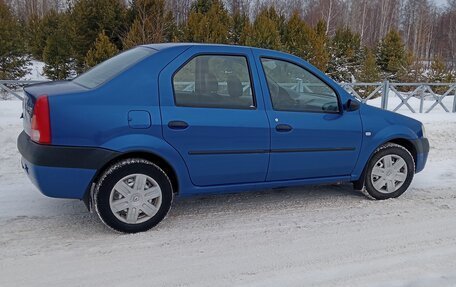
[[454, 99], [385, 94], [421, 91], [300, 86]]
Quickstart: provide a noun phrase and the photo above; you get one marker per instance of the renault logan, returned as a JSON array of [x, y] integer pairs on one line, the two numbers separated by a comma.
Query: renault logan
[[163, 120]]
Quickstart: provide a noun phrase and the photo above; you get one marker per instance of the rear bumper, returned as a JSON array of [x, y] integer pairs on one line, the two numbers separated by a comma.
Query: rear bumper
[[422, 151], [59, 182], [61, 171]]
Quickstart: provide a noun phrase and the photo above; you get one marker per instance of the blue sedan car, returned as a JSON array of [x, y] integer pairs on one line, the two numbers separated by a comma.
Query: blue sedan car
[[163, 120]]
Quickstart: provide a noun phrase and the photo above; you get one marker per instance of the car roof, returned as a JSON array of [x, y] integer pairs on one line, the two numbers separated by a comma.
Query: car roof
[[163, 46]]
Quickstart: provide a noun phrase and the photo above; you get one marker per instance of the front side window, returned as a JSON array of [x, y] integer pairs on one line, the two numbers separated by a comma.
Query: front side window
[[214, 81], [293, 88]]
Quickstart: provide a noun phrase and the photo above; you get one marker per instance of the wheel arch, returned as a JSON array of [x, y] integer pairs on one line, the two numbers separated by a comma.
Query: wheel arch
[[407, 144], [147, 155], [402, 141]]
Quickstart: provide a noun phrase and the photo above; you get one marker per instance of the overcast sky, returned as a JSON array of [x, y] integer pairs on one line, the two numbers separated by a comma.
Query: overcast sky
[[440, 2]]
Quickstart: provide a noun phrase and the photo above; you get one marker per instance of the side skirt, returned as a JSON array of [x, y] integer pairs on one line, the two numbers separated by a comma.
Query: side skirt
[[232, 188]]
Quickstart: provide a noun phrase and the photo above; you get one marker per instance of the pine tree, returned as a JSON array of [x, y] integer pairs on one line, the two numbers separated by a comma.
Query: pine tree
[[320, 55], [439, 73], [392, 55], [247, 31], [278, 18], [203, 6], [101, 51], [88, 18], [412, 72], [264, 32], [13, 60], [369, 70], [208, 22], [239, 21], [151, 24], [35, 39], [346, 55], [297, 38], [306, 42], [57, 54], [38, 30]]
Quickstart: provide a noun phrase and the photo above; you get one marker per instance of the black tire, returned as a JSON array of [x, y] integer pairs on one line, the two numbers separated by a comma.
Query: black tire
[[113, 175], [397, 151]]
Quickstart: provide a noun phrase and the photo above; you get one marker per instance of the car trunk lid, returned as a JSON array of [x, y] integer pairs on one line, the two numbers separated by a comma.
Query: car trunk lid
[[33, 92]]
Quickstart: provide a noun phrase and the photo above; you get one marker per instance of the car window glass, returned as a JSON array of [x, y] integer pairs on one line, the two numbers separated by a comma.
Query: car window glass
[[293, 88], [215, 81], [110, 68]]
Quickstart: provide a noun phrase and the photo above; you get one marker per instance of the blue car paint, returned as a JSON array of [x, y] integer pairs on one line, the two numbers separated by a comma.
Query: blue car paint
[[310, 130], [384, 126], [101, 118], [59, 182], [228, 129]]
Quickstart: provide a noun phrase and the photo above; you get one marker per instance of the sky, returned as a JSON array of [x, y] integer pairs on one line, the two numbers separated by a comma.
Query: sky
[[440, 2]]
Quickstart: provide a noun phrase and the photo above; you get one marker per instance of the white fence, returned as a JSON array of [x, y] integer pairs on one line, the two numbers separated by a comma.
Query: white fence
[[14, 88], [428, 95]]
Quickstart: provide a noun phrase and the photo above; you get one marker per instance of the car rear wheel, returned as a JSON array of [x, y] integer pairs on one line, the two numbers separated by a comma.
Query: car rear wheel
[[389, 172], [133, 195]]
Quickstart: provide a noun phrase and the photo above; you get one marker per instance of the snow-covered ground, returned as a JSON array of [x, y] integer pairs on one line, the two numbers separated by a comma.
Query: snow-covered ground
[[309, 236]]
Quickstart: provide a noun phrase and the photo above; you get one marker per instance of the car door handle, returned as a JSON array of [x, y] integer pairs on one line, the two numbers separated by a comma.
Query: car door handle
[[177, 125], [283, 128]]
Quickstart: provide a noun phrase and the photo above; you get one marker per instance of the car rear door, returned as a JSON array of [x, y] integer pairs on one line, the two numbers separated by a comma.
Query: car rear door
[[213, 115], [311, 135]]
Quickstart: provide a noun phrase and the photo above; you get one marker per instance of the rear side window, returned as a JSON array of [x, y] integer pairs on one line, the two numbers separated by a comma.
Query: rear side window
[[110, 68], [214, 81], [293, 88]]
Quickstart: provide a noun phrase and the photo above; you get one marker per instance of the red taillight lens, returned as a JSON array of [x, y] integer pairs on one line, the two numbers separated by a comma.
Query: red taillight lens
[[41, 122]]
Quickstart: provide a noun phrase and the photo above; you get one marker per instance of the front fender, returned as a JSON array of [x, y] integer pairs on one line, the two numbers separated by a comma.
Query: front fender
[[156, 146], [378, 138]]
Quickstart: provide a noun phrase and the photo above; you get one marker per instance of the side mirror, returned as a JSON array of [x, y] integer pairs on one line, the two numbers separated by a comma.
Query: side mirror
[[352, 105]]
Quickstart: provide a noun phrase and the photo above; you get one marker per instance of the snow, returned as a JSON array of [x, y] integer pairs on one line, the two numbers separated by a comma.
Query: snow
[[35, 72], [309, 236]]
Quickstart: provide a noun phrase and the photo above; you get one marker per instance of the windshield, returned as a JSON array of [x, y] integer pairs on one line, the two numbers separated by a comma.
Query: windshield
[[110, 68]]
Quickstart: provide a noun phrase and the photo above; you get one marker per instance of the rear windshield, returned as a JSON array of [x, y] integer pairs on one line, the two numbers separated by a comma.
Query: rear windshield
[[108, 69]]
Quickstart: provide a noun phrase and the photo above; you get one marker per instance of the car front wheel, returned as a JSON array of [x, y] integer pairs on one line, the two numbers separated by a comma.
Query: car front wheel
[[389, 172], [133, 195]]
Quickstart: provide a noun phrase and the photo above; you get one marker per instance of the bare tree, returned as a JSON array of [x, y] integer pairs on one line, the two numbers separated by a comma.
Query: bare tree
[[27, 8], [330, 11], [180, 9]]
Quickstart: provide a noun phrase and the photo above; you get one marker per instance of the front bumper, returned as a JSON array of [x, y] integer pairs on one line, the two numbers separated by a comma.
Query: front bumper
[[422, 151], [61, 171]]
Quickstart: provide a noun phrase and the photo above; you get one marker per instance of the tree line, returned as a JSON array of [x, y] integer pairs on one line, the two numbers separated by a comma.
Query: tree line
[[351, 40]]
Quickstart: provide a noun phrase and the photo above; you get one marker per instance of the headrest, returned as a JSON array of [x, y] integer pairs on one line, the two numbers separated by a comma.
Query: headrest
[[234, 86], [211, 83]]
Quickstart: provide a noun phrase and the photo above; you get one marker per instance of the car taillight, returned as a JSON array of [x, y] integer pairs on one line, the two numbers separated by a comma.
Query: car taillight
[[41, 123]]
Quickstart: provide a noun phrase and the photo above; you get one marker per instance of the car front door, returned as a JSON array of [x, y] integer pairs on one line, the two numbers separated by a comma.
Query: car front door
[[311, 136], [213, 115]]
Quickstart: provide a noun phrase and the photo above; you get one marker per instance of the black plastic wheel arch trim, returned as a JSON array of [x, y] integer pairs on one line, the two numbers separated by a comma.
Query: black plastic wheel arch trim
[[421, 145]]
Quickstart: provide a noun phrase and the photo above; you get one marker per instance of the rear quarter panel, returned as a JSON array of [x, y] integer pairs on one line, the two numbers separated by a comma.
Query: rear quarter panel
[[99, 117]]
